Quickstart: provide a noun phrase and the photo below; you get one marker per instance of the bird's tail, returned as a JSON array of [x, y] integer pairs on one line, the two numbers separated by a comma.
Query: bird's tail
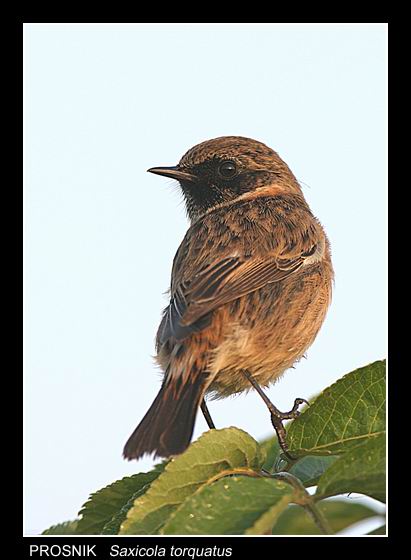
[[167, 427]]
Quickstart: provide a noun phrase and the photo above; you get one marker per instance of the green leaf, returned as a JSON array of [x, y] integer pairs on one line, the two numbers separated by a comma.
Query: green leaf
[[339, 514], [113, 526], [271, 450], [214, 452], [360, 470], [105, 504], [234, 505], [66, 528], [343, 416], [379, 531], [308, 469]]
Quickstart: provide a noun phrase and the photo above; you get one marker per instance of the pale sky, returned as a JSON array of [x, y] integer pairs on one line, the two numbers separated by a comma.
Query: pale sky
[[103, 103]]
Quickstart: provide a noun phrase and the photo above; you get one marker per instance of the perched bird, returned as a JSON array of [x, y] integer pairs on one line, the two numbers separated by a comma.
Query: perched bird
[[250, 287]]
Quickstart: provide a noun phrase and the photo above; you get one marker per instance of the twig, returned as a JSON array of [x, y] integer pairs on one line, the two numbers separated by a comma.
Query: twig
[[304, 499]]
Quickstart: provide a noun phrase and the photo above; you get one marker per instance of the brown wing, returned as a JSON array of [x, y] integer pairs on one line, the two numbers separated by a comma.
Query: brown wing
[[215, 285], [225, 282]]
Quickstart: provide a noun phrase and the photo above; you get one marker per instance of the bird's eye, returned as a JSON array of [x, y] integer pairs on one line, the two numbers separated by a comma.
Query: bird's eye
[[227, 169]]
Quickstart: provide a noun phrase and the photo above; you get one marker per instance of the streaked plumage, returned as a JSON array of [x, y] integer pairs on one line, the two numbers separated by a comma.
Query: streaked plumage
[[250, 285]]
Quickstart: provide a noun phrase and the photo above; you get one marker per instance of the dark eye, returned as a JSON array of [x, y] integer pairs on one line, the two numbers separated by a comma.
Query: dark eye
[[227, 169]]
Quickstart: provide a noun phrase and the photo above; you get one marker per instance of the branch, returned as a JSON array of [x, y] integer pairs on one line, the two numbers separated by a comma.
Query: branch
[[304, 499]]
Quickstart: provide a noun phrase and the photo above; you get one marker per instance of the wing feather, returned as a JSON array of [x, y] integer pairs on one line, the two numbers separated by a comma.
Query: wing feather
[[216, 284]]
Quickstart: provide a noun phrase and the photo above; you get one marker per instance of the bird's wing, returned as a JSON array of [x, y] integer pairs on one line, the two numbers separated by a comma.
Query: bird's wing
[[218, 283]]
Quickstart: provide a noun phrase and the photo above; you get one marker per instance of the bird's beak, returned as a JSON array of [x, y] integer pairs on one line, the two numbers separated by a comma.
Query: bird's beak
[[174, 173]]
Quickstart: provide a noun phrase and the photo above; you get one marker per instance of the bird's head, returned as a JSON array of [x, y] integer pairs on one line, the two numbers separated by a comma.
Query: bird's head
[[220, 170]]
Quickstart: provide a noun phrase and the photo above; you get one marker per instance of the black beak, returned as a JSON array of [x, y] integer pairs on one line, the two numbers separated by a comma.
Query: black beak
[[174, 173]]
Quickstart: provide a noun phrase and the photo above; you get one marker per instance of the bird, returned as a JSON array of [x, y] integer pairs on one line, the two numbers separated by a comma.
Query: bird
[[251, 284]]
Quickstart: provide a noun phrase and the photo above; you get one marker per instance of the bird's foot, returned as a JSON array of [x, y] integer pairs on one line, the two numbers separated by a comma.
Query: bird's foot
[[277, 418], [291, 414]]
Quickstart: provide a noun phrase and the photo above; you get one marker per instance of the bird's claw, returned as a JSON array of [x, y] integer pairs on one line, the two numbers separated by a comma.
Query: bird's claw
[[293, 413], [277, 418]]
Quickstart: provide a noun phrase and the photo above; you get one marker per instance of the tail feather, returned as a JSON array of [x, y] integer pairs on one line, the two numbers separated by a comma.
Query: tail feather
[[168, 426]]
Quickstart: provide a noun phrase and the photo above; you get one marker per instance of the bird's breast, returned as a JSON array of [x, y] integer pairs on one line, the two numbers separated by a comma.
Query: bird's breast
[[269, 330]]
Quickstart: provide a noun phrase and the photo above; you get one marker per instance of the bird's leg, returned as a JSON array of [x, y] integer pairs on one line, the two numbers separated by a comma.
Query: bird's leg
[[277, 416], [207, 415]]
